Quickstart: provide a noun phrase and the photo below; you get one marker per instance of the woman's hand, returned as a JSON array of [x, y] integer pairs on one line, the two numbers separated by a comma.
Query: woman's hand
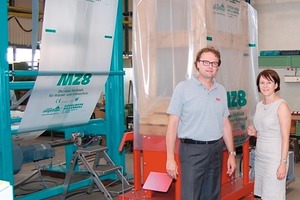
[[251, 131], [281, 171]]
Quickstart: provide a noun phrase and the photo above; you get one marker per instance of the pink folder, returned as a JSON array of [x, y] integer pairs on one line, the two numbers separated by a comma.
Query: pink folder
[[157, 181]]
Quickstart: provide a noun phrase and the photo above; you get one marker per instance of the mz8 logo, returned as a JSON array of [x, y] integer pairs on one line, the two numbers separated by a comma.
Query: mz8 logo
[[74, 79], [236, 98]]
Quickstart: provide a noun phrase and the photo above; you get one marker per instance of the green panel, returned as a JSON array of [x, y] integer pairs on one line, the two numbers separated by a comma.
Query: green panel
[[279, 61], [297, 129], [274, 61], [296, 61]]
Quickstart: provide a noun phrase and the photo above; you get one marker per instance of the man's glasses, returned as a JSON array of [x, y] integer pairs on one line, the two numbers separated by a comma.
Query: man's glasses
[[207, 63]]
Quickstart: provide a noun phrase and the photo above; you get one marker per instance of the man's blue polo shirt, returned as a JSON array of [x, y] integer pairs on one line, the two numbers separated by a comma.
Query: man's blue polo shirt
[[201, 111]]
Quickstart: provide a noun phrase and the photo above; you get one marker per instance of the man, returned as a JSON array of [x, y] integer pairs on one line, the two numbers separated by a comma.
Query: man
[[198, 116]]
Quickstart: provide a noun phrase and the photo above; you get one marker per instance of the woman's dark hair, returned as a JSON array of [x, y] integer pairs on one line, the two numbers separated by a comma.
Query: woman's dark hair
[[270, 75]]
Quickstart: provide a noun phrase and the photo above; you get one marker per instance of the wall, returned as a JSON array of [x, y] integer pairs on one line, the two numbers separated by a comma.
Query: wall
[[278, 24], [279, 29], [20, 23]]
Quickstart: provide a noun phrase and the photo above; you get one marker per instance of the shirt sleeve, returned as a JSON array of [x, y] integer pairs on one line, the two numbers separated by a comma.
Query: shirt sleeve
[[176, 103]]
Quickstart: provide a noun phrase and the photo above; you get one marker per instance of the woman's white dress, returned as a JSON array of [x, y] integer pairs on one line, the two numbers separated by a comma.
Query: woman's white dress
[[268, 152]]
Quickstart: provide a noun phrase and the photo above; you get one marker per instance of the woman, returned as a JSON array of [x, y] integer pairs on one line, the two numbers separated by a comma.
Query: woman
[[272, 122]]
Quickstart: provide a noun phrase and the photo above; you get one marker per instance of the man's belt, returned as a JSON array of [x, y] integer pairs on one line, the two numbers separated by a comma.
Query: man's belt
[[190, 141]]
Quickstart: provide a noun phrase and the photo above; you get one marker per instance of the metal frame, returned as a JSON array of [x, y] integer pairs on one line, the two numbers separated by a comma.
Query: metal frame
[[113, 125], [6, 168]]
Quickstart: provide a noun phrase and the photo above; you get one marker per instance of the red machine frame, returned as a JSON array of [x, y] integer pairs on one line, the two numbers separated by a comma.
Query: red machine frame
[[231, 187]]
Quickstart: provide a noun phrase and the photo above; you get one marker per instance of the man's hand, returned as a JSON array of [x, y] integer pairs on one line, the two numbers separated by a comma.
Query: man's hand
[[231, 165], [172, 168]]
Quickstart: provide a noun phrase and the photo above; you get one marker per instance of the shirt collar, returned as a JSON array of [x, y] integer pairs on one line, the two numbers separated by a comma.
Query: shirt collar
[[197, 82]]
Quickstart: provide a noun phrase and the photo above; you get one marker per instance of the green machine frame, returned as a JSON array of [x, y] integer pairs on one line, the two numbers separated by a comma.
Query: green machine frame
[[112, 126], [279, 61]]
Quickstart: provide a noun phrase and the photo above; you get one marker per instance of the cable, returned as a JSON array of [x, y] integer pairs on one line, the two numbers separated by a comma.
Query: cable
[[20, 25], [29, 191], [21, 187]]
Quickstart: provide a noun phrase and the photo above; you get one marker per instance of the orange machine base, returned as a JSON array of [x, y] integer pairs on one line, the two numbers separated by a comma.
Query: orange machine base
[[229, 191], [144, 194], [155, 161], [235, 189]]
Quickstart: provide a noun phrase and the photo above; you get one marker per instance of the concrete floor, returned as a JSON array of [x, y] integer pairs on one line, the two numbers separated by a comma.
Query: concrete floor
[[36, 182], [28, 180]]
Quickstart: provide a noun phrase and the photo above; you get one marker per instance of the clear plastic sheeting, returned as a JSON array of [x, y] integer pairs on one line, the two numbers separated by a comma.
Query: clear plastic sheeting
[[167, 34], [77, 40], [26, 136]]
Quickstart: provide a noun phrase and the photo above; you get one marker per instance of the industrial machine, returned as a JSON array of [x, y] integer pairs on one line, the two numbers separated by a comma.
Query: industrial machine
[[112, 127], [234, 187], [175, 31]]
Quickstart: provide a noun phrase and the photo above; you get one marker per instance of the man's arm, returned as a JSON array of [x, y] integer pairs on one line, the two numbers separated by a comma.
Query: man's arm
[[228, 139], [171, 135]]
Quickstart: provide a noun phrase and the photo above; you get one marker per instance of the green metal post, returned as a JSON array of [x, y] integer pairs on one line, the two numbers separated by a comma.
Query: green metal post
[[114, 89], [6, 157]]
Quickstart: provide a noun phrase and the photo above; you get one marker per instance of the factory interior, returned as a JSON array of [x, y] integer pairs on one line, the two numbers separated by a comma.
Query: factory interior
[[85, 86]]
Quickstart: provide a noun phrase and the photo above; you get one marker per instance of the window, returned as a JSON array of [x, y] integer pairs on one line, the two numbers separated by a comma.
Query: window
[[15, 55]]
